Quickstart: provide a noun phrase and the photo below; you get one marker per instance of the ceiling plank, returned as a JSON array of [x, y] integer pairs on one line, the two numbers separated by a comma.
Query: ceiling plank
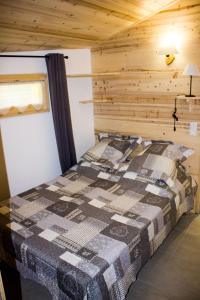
[[134, 12], [108, 8], [36, 24], [48, 33], [67, 16], [167, 3], [40, 40]]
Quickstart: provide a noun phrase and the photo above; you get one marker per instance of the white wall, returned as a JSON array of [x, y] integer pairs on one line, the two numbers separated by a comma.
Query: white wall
[[29, 141]]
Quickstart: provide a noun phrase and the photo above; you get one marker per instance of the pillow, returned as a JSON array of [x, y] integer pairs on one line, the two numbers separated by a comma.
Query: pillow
[[135, 143], [115, 136], [110, 151], [168, 149], [158, 161], [152, 167]]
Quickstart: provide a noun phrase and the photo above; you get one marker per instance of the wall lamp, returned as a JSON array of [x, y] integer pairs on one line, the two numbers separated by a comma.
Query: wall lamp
[[191, 70], [169, 54]]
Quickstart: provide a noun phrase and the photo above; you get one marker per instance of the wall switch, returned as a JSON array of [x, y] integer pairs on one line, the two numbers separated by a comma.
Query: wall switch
[[193, 128]]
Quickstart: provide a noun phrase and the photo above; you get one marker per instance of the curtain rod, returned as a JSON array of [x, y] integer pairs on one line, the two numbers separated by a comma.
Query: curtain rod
[[28, 56]]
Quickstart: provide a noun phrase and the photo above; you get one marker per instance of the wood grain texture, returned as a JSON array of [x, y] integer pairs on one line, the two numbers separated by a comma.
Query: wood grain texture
[[54, 24], [139, 98], [4, 188], [22, 77], [2, 292]]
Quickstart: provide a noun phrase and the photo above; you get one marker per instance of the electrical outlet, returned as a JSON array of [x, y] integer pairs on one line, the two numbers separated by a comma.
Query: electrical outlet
[[193, 128]]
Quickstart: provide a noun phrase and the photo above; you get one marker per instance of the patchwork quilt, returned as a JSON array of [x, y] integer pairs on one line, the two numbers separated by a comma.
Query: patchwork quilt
[[86, 234]]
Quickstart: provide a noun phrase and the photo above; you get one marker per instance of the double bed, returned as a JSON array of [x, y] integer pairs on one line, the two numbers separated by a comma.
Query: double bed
[[86, 234]]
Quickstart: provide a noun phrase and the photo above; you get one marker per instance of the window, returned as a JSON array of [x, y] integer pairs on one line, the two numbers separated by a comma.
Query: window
[[23, 94]]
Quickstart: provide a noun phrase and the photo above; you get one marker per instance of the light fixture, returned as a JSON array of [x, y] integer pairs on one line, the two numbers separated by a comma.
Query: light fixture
[[191, 70], [169, 54]]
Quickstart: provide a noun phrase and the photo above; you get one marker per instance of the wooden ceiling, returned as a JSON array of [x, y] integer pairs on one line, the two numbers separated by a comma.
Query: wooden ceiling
[[54, 24]]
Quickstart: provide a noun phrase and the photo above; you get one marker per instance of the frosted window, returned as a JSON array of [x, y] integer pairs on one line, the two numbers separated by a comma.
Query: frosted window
[[21, 94]]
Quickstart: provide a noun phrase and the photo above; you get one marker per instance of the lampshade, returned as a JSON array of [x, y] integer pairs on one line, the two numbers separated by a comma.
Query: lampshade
[[168, 51], [191, 70]]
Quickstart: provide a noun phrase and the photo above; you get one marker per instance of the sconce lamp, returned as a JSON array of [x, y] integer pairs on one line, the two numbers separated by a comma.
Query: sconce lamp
[[191, 70], [169, 54]]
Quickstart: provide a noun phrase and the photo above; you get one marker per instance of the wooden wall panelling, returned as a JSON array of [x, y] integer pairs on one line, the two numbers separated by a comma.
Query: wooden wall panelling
[[2, 292], [137, 48], [53, 24], [4, 188], [140, 99]]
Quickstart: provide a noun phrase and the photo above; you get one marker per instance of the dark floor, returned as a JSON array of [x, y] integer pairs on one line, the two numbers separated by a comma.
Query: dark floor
[[173, 273]]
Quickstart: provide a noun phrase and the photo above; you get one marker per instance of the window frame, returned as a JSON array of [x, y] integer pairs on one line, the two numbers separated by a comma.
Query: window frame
[[29, 109]]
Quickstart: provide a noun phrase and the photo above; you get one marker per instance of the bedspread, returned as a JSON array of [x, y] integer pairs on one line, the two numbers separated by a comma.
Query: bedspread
[[86, 234]]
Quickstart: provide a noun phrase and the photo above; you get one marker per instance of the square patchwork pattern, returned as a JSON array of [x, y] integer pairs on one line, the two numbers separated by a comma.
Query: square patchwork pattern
[[86, 253], [62, 208], [121, 232], [49, 235], [28, 223], [88, 232]]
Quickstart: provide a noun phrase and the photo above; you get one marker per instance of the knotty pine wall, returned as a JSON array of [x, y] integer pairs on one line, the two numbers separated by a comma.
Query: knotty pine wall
[[145, 86], [139, 98]]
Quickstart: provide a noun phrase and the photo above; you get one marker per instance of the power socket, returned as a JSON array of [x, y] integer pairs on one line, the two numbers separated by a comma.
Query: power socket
[[193, 128]]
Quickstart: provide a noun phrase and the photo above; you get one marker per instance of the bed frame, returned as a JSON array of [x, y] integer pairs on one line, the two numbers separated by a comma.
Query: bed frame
[[159, 131]]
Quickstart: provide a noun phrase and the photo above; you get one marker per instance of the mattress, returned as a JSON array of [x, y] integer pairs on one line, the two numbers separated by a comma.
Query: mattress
[[86, 234]]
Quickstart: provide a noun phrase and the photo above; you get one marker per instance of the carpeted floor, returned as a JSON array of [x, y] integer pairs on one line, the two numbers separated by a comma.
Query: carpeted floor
[[173, 273]]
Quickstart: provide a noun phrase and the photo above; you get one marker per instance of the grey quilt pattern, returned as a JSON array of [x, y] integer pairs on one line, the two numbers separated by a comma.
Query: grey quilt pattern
[[86, 234]]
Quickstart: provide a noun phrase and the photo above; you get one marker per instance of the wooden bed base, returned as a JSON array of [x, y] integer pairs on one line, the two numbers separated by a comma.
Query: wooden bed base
[[158, 131]]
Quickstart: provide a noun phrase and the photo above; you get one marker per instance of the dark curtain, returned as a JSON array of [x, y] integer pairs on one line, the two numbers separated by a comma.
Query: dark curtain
[[61, 109]]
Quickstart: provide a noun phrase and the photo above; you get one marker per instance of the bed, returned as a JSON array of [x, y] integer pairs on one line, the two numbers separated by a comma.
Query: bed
[[86, 234]]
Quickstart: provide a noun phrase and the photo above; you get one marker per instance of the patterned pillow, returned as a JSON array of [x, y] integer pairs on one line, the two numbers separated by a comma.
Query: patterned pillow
[[110, 151], [152, 167], [158, 162], [135, 143], [168, 149], [116, 136]]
